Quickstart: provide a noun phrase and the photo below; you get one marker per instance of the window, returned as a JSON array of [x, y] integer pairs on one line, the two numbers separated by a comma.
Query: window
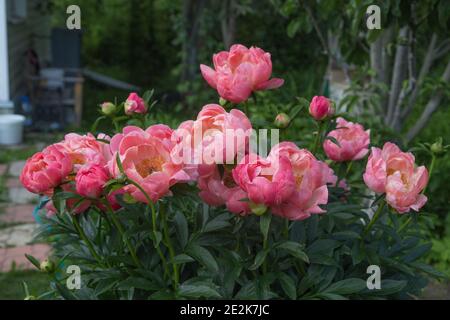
[[17, 10]]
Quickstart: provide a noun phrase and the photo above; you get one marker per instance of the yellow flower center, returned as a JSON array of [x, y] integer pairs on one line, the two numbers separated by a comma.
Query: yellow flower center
[[147, 166]]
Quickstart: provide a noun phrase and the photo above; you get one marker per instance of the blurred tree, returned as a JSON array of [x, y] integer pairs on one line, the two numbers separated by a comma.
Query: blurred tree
[[402, 46]]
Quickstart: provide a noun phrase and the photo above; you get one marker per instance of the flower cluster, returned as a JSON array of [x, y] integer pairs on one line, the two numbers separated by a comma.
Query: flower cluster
[[213, 151]]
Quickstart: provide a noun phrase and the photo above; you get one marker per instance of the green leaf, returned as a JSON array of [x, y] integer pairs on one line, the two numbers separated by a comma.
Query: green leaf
[[182, 258], [345, 235], [197, 291], [293, 27], [331, 296], [35, 262], [264, 224], [156, 237], [322, 246], [428, 269], [388, 287], [259, 260], [288, 285], [347, 286], [417, 252], [217, 223], [203, 256], [295, 249], [139, 283]]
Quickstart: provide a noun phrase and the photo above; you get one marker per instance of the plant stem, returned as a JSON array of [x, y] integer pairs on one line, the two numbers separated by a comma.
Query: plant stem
[[374, 218], [152, 207], [349, 168], [317, 141], [127, 241], [433, 162], [403, 226], [86, 240], [286, 229], [176, 277]]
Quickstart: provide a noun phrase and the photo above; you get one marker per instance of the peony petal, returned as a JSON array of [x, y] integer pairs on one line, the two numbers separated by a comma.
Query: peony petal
[[270, 84]]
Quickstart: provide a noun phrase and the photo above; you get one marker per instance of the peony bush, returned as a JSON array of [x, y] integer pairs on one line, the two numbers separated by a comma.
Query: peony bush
[[153, 212]]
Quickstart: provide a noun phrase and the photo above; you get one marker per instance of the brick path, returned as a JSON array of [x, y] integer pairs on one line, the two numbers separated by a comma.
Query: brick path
[[17, 224]]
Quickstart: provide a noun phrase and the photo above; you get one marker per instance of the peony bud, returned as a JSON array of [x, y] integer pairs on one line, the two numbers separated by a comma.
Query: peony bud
[[437, 148], [282, 120], [108, 108], [135, 104], [320, 108], [47, 266]]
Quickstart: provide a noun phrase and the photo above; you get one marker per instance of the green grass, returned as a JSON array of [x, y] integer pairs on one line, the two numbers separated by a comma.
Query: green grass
[[11, 287], [10, 155]]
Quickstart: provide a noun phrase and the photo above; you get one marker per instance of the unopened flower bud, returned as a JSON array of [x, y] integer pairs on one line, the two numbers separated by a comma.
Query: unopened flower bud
[[320, 108], [282, 120], [437, 148], [30, 298], [108, 108], [47, 266]]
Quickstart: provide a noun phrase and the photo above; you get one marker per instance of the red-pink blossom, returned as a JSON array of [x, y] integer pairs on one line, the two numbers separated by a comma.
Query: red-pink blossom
[[239, 72]]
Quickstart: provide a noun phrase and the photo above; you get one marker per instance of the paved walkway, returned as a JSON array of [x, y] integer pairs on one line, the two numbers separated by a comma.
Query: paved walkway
[[17, 225]]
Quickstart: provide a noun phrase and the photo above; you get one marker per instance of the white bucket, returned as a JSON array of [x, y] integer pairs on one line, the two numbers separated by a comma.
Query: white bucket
[[11, 128]]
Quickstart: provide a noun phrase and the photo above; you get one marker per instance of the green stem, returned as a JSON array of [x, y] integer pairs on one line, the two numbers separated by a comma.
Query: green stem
[[403, 226], [317, 141], [433, 162], [374, 218], [176, 277], [265, 247], [88, 243], [349, 168], [116, 125], [286, 229], [152, 207], [127, 241]]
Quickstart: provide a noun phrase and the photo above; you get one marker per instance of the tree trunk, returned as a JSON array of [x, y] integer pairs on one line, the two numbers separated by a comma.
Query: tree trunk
[[429, 109], [398, 73], [228, 22], [192, 13], [427, 62]]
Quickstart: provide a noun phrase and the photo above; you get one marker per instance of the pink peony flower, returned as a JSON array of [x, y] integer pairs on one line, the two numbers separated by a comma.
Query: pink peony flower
[[320, 108], [394, 172], [215, 137], [90, 180], [239, 72], [134, 104], [311, 178], [266, 182], [146, 160], [73, 205], [46, 170], [216, 190], [353, 141], [85, 149]]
